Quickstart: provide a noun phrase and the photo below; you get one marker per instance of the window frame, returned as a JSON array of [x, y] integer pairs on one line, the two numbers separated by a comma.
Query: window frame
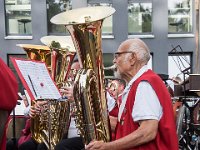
[[183, 34], [181, 54], [16, 36], [141, 34], [104, 35], [66, 33]]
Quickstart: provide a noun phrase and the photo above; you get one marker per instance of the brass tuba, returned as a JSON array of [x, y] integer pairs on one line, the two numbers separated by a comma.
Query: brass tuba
[[84, 25], [50, 125]]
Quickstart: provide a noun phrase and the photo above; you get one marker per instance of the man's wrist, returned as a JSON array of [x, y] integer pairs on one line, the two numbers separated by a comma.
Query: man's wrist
[[108, 145]]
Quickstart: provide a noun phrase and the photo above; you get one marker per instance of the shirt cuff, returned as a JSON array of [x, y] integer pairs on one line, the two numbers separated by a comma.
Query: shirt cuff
[[139, 118]]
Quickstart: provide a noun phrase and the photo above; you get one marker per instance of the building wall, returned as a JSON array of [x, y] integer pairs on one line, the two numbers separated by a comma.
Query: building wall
[[159, 43]]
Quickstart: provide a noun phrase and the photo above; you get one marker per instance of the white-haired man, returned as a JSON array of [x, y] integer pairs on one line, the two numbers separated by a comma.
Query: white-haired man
[[145, 118]]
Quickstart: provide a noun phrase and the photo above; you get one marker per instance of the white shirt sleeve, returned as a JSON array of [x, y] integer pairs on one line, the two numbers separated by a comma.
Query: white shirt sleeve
[[26, 110], [147, 104], [110, 101]]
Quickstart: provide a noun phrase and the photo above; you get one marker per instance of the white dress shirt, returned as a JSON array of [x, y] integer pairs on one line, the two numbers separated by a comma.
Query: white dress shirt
[[147, 105], [73, 131]]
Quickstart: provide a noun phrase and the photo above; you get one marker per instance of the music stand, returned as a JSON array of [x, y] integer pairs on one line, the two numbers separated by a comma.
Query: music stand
[[14, 139]]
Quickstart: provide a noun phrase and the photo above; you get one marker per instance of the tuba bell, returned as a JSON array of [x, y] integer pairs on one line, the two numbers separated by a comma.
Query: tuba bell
[[61, 57], [84, 25], [38, 52]]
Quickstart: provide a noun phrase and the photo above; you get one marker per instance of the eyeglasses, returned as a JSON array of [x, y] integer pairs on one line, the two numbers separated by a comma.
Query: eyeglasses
[[117, 54]]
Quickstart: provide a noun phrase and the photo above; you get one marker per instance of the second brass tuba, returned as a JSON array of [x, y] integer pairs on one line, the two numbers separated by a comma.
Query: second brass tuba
[[84, 25], [50, 125]]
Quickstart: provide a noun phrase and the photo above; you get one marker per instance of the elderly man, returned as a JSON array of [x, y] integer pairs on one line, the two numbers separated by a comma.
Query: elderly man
[[145, 118]]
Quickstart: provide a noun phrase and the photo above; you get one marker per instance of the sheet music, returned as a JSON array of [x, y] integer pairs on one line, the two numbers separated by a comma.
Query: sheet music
[[38, 79]]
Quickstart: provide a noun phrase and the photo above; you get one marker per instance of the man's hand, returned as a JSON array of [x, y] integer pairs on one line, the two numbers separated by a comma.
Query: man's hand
[[97, 145], [68, 92], [25, 101], [145, 133], [36, 109]]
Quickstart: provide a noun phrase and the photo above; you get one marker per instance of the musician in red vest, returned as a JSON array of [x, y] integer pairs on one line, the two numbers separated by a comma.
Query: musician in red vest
[[145, 118], [114, 95], [8, 99]]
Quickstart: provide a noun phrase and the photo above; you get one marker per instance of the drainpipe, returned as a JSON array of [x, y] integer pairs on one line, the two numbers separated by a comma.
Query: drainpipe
[[197, 64]]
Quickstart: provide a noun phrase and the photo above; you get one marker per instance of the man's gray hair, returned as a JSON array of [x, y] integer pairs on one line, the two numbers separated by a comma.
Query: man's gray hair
[[140, 48]]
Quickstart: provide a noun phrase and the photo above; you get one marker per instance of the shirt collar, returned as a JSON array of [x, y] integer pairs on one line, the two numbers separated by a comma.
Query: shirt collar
[[138, 74]]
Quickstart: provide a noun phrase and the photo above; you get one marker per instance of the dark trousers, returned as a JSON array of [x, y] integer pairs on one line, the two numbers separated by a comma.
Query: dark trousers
[[11, 144], [32, 145], [75, 143]]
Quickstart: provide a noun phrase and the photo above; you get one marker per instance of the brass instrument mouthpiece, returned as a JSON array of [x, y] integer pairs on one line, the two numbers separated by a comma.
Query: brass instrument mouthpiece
[[113, 67]]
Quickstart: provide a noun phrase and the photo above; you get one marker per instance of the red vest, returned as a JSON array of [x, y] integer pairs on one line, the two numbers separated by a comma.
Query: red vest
[[8, 88], [114, 113], [166, 138], [8, 93], [115, 110]]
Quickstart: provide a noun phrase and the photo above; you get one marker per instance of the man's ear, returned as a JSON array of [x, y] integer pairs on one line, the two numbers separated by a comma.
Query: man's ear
[[133, 58]]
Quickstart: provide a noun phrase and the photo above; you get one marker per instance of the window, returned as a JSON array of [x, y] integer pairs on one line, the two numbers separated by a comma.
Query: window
[[18, 17], [139, 18], [10, 64], [177, 63], [55, 7], [107, 28], [180, 16], [108, 61]]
